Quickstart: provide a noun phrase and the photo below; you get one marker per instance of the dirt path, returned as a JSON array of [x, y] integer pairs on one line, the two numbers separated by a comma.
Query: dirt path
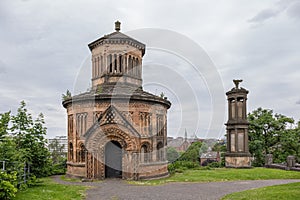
[[116, 189]]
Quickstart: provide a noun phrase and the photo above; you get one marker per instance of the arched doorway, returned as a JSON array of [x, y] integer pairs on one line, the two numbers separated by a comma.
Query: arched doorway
[[113, 160]]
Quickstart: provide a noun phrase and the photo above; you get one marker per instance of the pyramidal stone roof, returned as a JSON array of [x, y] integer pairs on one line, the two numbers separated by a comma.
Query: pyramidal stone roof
[[117, 38]]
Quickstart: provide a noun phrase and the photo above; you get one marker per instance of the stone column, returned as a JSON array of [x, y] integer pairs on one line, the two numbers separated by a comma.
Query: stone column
[[246, 141], [118, 63], [126, 64], [141, 122], [140, 68], [147, 124], [104, 63], [96, 67], [107, 63], [114, 63], [101, 65], [93, 67], [245, 108], [236, 108]]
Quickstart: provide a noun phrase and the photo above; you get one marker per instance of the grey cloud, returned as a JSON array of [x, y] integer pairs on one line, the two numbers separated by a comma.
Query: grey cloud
[[264, 15], [294, 10], [292, 7], [3, 68], [51, 109], [298, 102]]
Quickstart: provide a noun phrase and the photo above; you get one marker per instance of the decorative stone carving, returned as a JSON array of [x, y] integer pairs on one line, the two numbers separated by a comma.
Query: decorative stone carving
[[237, 82]]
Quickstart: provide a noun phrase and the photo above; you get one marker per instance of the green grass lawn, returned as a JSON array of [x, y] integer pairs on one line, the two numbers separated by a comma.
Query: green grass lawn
[[46, 189], [223, 174], [76, 180], [289, 191]]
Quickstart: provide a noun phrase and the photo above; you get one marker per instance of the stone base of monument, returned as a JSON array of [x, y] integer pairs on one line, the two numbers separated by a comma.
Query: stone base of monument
[[234, 160]]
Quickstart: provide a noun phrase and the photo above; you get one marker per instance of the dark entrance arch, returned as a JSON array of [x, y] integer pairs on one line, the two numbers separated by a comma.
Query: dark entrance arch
[[113, 160]]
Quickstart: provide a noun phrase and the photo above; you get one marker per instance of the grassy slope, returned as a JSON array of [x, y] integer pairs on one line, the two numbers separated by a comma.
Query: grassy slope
[[289, 191], [47, 189], [224, 174]]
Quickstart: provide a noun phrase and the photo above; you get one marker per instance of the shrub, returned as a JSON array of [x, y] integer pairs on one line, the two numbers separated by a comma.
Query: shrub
[[180, 166], [59, 169], [214, 165], [8, 185]]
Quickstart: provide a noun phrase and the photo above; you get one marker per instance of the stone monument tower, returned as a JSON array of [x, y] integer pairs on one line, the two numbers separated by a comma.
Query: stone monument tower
[[237, 155]]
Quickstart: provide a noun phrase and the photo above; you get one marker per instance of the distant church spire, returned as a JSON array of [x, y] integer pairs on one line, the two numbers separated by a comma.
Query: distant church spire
[[185, 135]]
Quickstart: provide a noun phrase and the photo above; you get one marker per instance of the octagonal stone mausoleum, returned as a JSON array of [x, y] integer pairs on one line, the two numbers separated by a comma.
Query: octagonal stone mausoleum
[[116, 129]]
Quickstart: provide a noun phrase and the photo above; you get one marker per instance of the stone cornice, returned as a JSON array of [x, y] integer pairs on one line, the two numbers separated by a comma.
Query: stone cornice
[[234, 91], [110, 97]]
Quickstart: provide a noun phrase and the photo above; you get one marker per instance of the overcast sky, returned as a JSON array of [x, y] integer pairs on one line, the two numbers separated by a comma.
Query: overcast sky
[[43, 52]]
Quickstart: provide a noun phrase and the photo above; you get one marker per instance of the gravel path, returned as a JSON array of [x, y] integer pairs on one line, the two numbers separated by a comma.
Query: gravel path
[[116, 189]]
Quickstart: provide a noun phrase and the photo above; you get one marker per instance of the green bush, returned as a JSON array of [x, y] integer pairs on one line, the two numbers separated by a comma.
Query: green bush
[[59, 169], [215, 165], [223, 159], [180, 166], [8, 185]]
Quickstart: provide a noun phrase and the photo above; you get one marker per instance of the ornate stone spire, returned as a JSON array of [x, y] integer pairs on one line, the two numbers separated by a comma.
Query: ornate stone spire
[[117, 26]]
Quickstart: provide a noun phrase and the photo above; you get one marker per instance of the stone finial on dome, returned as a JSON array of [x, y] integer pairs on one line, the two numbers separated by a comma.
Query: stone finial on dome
[[117, 26]]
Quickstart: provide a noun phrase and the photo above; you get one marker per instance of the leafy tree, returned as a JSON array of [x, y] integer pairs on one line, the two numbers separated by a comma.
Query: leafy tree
[[30, 141], [266, 133], [59, 157], [57, 151], [4, 120], [22, 143], [289, 144], [203, 148], [256, 148], [172, 154], [8, 152], [219, 147], [192, 153]]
